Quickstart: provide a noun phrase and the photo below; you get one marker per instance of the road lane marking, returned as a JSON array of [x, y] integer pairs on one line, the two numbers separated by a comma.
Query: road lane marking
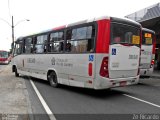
[[47, 109], [155, 105]]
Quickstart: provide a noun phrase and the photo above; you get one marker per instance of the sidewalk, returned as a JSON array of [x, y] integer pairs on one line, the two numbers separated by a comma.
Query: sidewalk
[[14, 99]]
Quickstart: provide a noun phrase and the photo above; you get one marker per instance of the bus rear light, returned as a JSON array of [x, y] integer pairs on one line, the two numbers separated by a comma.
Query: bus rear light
[[104, 68], [152, 63], [90, 69]]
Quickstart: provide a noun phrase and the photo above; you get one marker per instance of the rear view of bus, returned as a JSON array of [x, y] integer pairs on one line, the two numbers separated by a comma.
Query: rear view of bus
[[120, 67], [147, 53]]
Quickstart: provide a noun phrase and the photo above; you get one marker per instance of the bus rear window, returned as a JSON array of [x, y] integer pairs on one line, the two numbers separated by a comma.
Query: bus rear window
[[124, 34], [147, 38]]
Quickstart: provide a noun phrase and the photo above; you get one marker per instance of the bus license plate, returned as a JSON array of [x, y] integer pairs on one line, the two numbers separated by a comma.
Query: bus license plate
[[123, 83]]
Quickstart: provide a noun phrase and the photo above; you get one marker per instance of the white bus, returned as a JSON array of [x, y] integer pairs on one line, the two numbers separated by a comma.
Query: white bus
[[147, 52], [97, 53]]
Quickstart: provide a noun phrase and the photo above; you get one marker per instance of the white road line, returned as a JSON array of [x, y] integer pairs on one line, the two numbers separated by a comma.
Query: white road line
[[142, 100], [47, 109]]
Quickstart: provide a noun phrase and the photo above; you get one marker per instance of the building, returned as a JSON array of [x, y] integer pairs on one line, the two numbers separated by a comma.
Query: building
[[150, 18]]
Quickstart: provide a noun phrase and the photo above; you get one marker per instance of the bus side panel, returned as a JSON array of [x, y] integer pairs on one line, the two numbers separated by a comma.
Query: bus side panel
[[77, 69], [146, 58], [80, 69], [71, 69], [27, 65], [17, 61]]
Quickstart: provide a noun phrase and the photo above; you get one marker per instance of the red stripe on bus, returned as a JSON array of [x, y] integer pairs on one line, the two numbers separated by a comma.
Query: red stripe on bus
[[154, 45], [103, 36], [126, 44], [60, 27]]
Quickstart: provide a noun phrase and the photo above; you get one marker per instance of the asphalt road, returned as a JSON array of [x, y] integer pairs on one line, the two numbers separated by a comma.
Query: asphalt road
[[2, 66], [78, 103]]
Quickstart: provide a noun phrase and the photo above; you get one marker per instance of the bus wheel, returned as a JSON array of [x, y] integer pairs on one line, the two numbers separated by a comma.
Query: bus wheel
[[52, 78], [16, 73]]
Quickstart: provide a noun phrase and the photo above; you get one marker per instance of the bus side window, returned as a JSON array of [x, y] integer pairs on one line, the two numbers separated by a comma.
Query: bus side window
[[117, 39], [56, 43], [81, 39], [68, 47], [18, 48], [90, 37], [40, 46], [128, 37], [69, 36], [28, 45], [61, 46]]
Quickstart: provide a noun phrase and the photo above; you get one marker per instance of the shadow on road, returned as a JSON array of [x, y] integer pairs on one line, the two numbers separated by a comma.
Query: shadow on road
[[101, 94]]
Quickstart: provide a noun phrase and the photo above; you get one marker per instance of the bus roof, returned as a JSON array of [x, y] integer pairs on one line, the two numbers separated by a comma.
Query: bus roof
[[3, 51], [126, 21], [113, 19], [148, 30]]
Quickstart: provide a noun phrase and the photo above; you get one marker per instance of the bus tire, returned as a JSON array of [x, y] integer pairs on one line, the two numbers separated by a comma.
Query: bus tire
[[52, 78], [16, 73]]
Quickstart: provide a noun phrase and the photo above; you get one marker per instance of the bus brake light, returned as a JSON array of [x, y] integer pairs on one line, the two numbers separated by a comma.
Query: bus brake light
[[152, 63], [90, 69], [104, 68]]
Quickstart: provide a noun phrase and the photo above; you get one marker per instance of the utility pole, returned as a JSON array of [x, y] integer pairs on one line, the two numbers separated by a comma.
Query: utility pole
[[13, 26], [12, 33]]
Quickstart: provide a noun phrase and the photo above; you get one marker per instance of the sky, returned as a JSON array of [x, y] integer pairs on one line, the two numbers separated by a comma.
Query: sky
[[47, 14]]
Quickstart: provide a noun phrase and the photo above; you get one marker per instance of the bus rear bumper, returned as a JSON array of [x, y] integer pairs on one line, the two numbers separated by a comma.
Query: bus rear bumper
[[106, 83], [146, 72]]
